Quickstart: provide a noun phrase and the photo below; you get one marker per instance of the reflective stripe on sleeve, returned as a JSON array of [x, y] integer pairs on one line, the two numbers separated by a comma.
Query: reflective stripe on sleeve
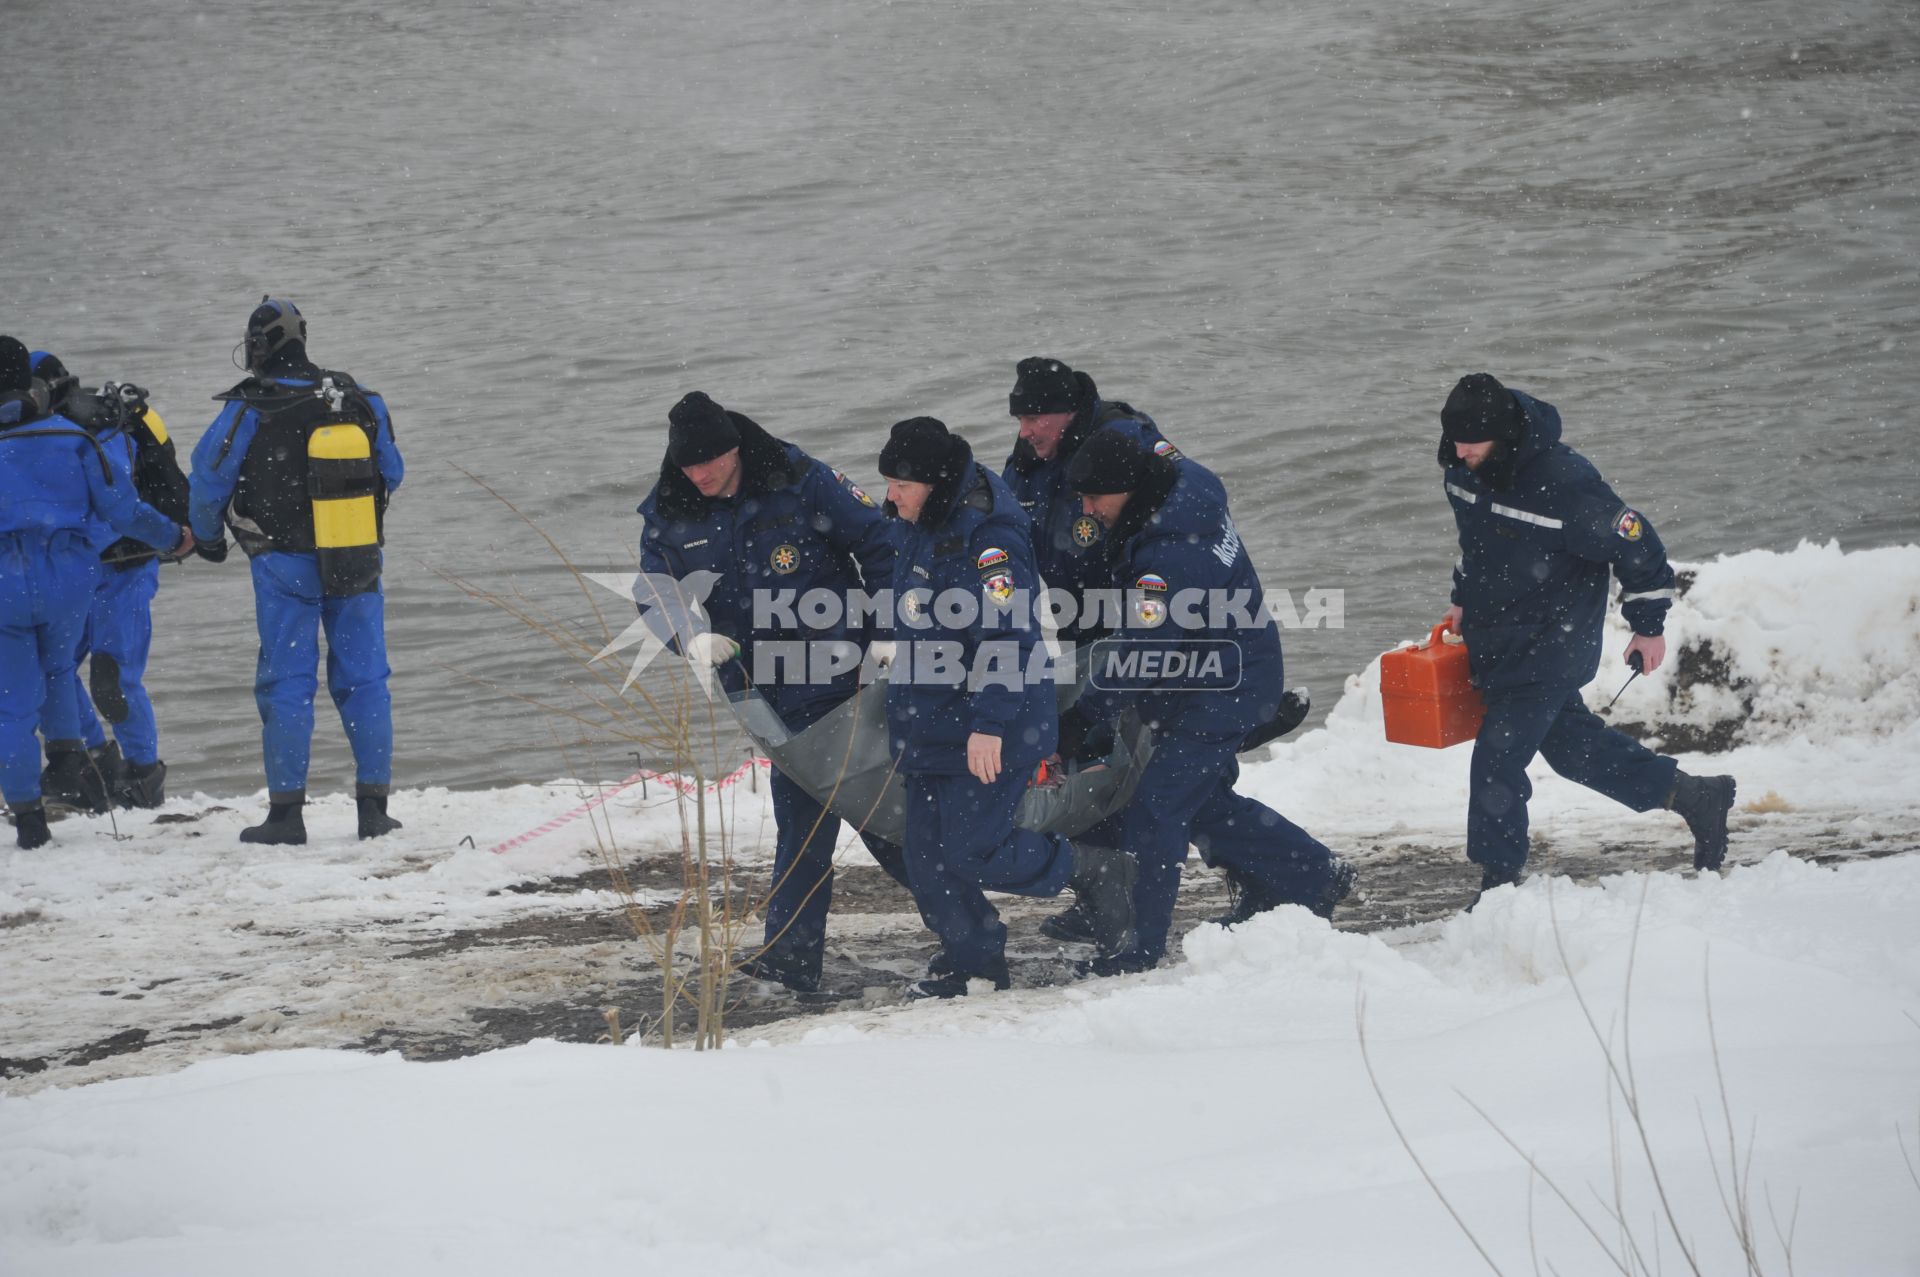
[[1464, 495], [1649, 594], [1538, 520]]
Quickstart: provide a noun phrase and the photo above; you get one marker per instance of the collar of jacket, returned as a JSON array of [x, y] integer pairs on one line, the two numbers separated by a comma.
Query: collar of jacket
[[764, 467], [1145, 503]]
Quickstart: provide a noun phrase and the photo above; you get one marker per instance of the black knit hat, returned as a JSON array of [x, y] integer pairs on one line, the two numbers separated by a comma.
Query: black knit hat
[[1109, 462], [1041, 386], [919, 450], [16, 367], [698, 430], [1481, 410]]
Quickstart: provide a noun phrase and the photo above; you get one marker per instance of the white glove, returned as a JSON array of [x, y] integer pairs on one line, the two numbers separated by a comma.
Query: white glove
[[711, 649], [880, 653]]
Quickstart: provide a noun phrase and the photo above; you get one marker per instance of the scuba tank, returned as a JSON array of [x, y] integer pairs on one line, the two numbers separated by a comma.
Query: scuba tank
[[308, 483], [343, 484]]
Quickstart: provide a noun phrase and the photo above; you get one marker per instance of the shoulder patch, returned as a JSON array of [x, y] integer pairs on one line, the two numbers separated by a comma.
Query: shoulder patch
[[853, 489], [991, 558], [1152, 581], [1167, 450], [1630, 525]]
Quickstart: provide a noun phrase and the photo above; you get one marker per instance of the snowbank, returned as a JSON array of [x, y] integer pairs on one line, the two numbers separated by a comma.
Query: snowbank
[[1212, 1116]]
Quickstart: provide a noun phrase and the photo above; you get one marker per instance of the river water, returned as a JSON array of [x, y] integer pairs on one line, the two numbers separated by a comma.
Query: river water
[[1284, 230]]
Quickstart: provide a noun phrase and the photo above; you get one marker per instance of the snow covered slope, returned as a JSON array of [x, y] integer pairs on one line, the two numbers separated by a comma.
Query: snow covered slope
[[1212, 1116]]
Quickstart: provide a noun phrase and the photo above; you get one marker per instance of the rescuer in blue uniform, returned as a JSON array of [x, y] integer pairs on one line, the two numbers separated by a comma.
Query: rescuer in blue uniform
[[1058, 409], [300, 464], [768, 520], [1540, 531], [57, 485], [1193, 600], [967, 724], [119, 631]]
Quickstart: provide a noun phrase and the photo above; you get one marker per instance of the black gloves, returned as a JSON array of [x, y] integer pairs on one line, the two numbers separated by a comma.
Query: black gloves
[[212, 551]]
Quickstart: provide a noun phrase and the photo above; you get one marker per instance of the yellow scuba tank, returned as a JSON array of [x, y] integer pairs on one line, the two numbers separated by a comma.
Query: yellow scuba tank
[[346, 528], [155, 426]]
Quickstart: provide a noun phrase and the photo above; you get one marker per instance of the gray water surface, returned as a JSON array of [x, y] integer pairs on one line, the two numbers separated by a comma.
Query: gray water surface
[[1284, 230]]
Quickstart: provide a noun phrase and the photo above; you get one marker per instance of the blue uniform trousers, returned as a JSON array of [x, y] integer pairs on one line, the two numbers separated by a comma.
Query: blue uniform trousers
[[1186, 796], [290, 611], [46, 584], [1556, 724], [120, 629], [805, 833], [961, 838]]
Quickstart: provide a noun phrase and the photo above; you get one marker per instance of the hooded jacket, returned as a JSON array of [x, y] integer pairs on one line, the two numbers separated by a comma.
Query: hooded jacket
[[1534, 560], [971, 539], [794, 526]]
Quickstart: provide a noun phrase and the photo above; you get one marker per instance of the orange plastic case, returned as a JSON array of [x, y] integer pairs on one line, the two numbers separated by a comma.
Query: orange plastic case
[[1427, 696]]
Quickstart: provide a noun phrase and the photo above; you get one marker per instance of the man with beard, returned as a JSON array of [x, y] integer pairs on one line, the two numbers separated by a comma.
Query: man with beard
[[1540, 532]]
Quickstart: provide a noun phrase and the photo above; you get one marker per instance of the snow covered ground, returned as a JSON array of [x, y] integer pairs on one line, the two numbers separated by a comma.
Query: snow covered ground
[[174, 990]]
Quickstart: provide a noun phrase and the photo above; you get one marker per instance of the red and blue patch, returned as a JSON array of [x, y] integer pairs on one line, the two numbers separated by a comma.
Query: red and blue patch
[[1158, 584], [992, 558]]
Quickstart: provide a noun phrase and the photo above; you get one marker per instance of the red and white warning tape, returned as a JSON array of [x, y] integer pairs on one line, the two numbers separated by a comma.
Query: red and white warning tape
[[671, 780]]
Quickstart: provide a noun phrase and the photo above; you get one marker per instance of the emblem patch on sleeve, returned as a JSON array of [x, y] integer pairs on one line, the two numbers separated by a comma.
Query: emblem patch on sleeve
[[1148, 605], [1086, 530], [992, 558], [999, 586], [853, 489], [1630, 525], [1167, 450], [785, 559]]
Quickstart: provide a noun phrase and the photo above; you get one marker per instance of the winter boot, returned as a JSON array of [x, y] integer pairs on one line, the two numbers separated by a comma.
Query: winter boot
[[767, 966], [71, 779], [142, 785], [1492, 876], [1072, 925], [284, 825], [111, 766], [374, 820], [953, 984], [1103, 881], [1703, 802], [1338, 888], [30, 826]]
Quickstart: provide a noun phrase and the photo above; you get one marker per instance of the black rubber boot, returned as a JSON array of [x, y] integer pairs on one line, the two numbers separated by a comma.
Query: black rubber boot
[[72, 780], [374, 820], [107, 761], [768, 966], [1072, 925], [284, 826], [1492, 876], [143, 785], [953, 984], [1703, 802], [1103, 879], [30, 826]]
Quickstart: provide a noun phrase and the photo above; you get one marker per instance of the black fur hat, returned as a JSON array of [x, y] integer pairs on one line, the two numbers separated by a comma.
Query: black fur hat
[[1481, 410], [919, 450], [1042, 385], [1109, 462], [698, 430]]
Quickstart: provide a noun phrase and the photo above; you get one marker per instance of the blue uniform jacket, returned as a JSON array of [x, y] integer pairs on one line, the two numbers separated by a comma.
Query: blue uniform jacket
[[1190, 586], [972, 538], [1534, 560], [795, 526], [212, 485], [55, 477], [1064, 537]]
